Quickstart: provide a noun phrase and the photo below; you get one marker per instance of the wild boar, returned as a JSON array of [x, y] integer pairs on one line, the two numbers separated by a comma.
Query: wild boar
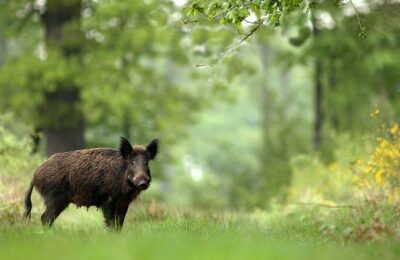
[[103, 177]]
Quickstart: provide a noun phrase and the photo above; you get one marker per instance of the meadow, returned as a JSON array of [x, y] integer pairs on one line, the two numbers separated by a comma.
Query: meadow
[[158, 232]]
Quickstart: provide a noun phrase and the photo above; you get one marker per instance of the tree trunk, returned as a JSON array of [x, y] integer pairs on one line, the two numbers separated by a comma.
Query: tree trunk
[[318, 95], [63, 121], [332, 89], [64, 129], [2, 50]]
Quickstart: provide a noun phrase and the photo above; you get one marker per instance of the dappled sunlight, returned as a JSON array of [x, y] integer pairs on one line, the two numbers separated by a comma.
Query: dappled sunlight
[[195, 170]]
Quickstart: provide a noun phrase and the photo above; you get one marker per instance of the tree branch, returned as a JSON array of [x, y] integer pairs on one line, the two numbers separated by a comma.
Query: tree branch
[[362, 28], [246, 36]]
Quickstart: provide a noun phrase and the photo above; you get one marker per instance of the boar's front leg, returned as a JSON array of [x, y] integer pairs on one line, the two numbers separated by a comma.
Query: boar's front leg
[[108, 209], [114, 214], [120, 213]]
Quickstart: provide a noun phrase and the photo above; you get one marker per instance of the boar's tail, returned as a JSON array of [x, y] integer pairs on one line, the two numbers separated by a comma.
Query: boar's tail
[[28, 202]]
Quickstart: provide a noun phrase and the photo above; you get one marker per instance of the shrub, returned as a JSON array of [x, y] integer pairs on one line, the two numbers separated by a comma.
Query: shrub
[[379, 175], [17, 165]]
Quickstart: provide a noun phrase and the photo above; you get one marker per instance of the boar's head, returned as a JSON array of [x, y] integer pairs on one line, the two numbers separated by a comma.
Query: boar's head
[[137, 160]]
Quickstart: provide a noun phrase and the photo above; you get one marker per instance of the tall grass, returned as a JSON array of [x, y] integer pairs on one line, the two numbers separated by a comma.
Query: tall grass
[[168, 233]]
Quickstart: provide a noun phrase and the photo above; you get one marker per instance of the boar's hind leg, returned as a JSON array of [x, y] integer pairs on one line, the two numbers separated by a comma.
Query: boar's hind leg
[[54, 206]]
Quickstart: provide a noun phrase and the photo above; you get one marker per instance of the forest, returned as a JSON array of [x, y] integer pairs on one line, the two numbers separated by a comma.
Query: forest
[[277, 123]]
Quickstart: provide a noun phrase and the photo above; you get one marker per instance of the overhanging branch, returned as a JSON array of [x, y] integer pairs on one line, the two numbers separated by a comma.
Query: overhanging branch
[[245, 37]]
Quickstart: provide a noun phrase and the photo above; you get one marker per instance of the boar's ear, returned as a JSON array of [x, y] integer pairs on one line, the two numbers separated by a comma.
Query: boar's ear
[[125, 148], [152, 148]]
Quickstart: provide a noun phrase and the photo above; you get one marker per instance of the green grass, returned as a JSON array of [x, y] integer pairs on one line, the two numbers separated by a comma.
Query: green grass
[[162, 233]]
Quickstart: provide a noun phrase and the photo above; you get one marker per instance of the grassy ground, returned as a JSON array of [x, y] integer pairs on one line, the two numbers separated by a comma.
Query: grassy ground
[[154, 232]]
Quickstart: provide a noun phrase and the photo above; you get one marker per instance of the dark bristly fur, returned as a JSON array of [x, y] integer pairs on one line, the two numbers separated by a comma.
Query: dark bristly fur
[[101, 177]]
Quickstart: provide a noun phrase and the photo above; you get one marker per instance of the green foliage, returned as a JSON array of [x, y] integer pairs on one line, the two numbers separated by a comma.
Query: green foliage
[[357, 73], [235, 12], [221, 156], [315, 181], [15, 150], [130, 71]]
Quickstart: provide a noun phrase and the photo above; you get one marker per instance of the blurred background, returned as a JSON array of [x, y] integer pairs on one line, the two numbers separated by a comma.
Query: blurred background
[[290, 115]]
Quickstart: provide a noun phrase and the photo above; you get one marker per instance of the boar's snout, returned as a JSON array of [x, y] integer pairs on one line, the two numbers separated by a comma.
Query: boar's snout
[[141, 184]]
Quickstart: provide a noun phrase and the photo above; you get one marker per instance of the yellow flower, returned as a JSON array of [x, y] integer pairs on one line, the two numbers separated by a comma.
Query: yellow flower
[[379, 178], [374, 113], [367, 169], [390, 197], [394, 130]]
